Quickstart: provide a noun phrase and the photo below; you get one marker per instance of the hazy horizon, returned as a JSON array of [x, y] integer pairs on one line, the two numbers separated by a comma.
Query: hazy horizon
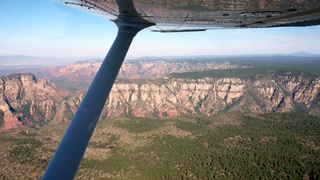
[[49, 29]]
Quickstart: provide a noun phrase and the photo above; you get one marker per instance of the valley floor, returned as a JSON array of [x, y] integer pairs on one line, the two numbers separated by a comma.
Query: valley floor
[[222, 146]]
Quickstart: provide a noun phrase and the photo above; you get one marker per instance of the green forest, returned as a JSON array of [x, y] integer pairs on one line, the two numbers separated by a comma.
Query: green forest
[[236, 145], [254, 73]]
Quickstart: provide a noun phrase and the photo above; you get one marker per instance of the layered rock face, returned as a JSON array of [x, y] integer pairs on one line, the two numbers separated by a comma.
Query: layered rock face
[[174, 97], [26, 100], [31, 101]]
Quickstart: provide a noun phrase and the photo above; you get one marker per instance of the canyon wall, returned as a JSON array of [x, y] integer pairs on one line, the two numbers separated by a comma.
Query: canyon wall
[[131, 69], [31, 101], [207, 96], [26, 100]]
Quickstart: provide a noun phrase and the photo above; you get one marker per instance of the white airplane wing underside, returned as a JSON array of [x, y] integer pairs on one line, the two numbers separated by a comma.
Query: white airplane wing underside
[[193, 15]]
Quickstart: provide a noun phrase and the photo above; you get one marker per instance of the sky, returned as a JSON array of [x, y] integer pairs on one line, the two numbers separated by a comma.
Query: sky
[[43, 28]]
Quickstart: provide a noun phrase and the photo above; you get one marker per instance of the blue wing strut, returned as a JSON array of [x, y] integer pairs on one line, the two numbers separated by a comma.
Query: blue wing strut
[[70, 151]]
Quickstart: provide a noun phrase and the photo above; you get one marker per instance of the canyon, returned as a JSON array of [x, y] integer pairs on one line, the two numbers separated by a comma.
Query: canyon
[[27, 100], [31, 101], [208, 96]]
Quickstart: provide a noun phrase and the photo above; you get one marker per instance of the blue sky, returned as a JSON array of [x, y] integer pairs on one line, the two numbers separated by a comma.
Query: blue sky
[[44, 28]]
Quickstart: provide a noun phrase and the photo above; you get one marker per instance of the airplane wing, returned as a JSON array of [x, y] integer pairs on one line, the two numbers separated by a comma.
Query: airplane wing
[[189, 15], [131, 16]]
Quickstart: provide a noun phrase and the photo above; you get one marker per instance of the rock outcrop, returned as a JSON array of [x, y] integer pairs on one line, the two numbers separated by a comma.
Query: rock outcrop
[[85, 71], [26, 100], [174, 97], [30, 101]]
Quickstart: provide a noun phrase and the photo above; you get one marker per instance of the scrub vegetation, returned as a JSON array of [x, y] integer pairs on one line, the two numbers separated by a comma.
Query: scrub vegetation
[[252, 73], [224, 146]]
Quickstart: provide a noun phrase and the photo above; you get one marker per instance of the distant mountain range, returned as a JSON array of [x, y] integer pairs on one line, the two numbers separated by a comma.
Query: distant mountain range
[[304, 54], [22, 60], [296, 54]]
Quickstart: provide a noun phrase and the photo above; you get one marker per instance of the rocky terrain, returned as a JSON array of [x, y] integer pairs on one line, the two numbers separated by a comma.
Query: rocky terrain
[[210, 123], [26, 100], [31, 101], [85, 71], [208, 96]]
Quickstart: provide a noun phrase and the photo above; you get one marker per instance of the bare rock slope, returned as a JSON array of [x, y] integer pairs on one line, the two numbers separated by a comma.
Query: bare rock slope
[[26, 100], [181, 96], [31, 101], [85, 71]]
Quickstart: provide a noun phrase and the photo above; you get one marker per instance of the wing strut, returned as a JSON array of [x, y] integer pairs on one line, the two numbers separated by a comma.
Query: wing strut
[[70, 151]]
